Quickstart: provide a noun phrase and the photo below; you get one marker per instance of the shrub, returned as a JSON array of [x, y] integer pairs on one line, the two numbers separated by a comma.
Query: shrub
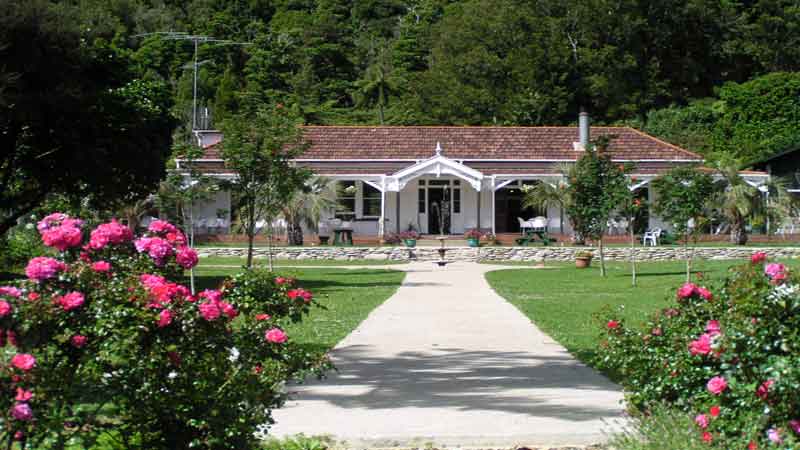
[[473, 233], [409, 234], [104, 343], [663, 428], [728, 357], [20, 244]]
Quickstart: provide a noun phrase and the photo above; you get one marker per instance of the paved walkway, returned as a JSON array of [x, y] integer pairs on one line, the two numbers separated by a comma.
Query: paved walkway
[[446, 360]]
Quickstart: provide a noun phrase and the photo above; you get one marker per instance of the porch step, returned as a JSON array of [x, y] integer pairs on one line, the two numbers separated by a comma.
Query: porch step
[[425, 242]]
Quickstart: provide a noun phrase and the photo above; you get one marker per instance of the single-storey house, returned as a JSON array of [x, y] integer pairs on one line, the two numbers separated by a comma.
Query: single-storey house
[[400, 177]]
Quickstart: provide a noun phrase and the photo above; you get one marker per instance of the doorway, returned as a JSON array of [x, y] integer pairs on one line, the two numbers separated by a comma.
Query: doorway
[[439, 210]]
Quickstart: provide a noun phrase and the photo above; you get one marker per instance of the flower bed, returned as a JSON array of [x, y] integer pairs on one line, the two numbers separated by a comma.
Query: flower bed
[[102, 341], [729, 357]]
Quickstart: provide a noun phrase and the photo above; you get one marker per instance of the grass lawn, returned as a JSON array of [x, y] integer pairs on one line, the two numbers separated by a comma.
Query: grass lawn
[[261, 261], [563, 301], [347, 297]]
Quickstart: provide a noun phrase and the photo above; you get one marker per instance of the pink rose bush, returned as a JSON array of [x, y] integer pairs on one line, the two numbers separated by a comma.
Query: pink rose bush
[[723, 355], [110, 322]]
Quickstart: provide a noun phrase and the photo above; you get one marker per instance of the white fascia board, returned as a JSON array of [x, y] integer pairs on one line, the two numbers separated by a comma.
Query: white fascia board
[[510, 160]]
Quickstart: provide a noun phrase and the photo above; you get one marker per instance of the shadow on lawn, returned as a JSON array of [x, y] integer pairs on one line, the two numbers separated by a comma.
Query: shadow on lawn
[[508, 381]]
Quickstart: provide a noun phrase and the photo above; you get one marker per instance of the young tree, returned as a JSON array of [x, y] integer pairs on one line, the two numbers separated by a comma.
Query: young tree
[[682, 196], [259, 148], [597, 186], [632, 209]]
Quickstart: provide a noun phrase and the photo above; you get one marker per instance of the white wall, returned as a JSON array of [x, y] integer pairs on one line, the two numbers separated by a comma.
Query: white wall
[[207, 210]]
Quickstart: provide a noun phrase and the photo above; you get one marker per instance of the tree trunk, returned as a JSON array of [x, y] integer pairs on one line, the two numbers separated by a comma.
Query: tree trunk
[[602, 258], [294, 234], [738, 233], [688, 257], [251, 232]]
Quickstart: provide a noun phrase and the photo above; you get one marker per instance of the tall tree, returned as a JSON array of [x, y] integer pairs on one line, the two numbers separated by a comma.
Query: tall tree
[[682, 195], [73, 119], [259, 147]]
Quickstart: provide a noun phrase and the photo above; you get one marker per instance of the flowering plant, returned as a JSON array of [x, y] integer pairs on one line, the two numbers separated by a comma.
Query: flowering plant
[[104, 341], [728, 357], [473, 233], [409, 234]]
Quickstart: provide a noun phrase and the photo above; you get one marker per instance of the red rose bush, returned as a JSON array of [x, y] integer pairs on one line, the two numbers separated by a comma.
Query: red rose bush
[[728, 357], [103, 341]]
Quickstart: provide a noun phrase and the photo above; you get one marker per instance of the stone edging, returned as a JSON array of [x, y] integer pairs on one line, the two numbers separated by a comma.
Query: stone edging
[[498, 253]]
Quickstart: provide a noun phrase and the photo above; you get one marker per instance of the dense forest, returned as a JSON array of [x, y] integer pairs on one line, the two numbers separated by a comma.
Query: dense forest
[[714, 76]]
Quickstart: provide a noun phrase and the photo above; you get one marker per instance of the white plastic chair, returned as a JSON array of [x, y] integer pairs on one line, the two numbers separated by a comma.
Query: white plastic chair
[[538, 223], [651, 237], [524, 225], [612, 225]]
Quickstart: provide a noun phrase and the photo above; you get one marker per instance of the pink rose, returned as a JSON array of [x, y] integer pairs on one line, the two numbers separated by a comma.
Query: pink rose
[[612, 324], [713, 327], [707, 437], [209, 310], [701, 346], [176, 238], [101, 266], [71, 301], [701, 420], [161, 227], [794, 424], [261, 317], [164, 318], [687, 290], [62, 237], [78, 341], [300, 293], [714, 411], [774, 436], [773, 269], [23, 361], [211, 295], [42, 268], [23, 395], [112, 233], [22, 412], [763, 390], [716, 385], [5, 308], [228, 310], [705, 294], [280, 280], [758, 257], [276, 336], [10, 291], [186, 257]]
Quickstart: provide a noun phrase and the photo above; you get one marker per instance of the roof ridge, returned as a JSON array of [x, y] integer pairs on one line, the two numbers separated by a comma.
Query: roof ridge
[[462, 126], [673, 146]]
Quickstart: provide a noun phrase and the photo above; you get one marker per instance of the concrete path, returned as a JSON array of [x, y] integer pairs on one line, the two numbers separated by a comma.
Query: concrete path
[[448, 361]]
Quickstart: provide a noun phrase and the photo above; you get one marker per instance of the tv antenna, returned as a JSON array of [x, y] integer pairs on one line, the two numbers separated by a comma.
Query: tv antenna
[[196, 39]]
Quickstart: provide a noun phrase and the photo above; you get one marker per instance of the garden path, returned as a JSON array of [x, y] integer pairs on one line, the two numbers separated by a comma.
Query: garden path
[[448, 361]]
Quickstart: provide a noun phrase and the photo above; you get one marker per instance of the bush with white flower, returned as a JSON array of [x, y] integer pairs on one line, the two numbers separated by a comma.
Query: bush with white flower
[[729, 357], [103, 341]]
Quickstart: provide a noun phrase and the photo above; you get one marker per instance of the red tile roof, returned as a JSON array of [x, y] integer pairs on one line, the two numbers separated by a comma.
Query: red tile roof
[[418, 142]]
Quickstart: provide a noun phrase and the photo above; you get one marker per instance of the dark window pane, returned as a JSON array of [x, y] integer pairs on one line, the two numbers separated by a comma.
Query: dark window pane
[[345, 200], [421, 205], [439, 183], [422, 182], [457, 182], [371, 201], [456, 201]]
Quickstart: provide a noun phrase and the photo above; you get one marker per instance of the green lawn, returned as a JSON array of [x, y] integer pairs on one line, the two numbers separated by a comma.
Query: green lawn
[[261, 261], [347, 297], [563, 300]]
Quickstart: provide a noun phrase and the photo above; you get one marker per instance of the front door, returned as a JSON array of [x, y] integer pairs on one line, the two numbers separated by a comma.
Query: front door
[[438, 210]]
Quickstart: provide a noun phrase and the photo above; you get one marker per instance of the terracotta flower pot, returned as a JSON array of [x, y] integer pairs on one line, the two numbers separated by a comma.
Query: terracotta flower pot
[[582, 262]]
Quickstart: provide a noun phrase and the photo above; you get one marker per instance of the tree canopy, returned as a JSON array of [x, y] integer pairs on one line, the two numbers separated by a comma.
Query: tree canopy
[[74, 118]]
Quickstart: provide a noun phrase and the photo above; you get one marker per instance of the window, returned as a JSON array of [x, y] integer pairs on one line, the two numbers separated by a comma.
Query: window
[[422, 182], [439, 183], [345, 200], [421, 206], [457, 182], [370, 201], [456, 201]]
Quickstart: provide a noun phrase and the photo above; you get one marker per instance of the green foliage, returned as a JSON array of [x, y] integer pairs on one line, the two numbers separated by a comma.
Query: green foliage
[[760, 116], [139, 362], [75, 118], [259, 148], [297, 443], [596, 187], [691, 126], [745, 331], [682, 195], [663, 428]]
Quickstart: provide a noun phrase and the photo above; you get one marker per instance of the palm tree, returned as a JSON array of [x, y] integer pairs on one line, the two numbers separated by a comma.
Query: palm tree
[[739, 201], [545, 195], [307, 207]]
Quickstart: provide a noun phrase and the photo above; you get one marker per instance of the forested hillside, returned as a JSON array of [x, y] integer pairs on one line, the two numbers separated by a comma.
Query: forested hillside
[[673, 68]]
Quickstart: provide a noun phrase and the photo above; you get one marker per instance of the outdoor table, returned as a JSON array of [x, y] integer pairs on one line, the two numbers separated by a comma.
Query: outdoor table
[[343, 236], [532, 236]]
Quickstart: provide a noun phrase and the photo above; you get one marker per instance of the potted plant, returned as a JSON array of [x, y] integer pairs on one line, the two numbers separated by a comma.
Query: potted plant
[[490, 239], [409, 238], [473, 237], [583, 259]]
